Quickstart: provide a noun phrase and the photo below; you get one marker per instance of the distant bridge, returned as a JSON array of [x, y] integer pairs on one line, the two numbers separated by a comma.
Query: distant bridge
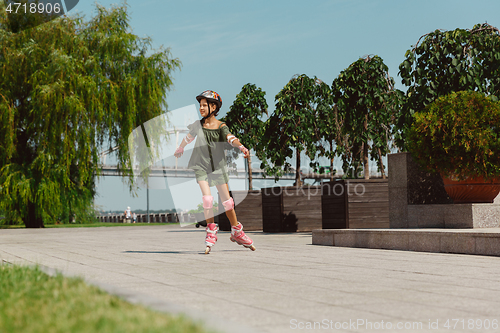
[[182, 172]]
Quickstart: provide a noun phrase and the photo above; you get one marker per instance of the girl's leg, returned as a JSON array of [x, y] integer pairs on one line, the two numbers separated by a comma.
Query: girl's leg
[[237, 233], [211, 228], [205, 190], [224, 196]]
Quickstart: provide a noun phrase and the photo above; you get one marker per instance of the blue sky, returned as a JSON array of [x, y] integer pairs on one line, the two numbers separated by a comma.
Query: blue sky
[[225, 44]]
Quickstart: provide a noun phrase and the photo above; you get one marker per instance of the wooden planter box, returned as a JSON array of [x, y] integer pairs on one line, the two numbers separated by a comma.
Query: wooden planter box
[[248, 207], [334, 205], [371, 209], [291, 209], [355, 204], [352, 203], [272, 210]]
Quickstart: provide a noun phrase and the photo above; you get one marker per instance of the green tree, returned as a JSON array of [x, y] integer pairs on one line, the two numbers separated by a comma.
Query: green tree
[[70, 87], [243, 119], [458, 136], [366, 104], [26, 14], [442, 62], [328, 126], [292, 125]]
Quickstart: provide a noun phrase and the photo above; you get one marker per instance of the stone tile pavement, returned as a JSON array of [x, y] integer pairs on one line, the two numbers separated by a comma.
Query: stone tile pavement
[[287, 285]]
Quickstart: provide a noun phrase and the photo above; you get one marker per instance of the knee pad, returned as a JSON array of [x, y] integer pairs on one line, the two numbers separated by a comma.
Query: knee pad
[[228, 204], [208, 201]]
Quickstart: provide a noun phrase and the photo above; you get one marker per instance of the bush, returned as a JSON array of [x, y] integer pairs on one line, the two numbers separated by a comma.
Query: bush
[[458, 135]]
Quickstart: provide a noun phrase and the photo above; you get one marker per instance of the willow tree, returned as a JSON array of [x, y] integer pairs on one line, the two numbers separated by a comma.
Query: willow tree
[[366, 104], [442, 62], [70, 88], [243, 119], [293, 127]]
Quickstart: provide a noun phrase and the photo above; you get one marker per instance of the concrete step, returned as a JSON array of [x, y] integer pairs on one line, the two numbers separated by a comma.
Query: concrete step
[[462, 241]]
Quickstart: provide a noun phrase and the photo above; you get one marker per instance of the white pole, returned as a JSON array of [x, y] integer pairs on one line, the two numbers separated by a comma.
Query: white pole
[[176, 145]]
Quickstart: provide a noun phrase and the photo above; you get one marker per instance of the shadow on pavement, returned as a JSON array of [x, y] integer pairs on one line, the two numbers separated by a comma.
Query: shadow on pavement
[[179, 252]]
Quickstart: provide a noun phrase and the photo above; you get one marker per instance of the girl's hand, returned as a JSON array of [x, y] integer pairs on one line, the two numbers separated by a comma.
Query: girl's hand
[[245, 151], [178, 152]]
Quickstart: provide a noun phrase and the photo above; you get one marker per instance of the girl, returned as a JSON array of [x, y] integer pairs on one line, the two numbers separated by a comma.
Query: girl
[[209, 164]]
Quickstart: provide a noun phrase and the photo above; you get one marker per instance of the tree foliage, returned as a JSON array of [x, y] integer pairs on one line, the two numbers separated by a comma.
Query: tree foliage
[[442, 62], [327, 127], [70, 87], [366, 104], [26, 14], [292, 125], [243, 119], [458, 135]]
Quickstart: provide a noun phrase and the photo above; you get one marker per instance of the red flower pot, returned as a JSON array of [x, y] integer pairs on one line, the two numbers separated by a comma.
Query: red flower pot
[[472, 190]]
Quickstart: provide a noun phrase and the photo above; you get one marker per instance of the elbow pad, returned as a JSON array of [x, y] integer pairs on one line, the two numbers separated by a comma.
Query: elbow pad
[[187, 140], [231, 138]]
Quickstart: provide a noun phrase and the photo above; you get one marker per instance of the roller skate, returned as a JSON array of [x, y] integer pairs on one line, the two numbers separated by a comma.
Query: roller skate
[[211, 237], [238, 236]]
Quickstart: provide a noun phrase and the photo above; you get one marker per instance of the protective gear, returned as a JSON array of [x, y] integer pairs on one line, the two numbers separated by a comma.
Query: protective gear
[[179, 151], [230, 139], [243, 149], [208, 201], [211, 236], [187, 140], [239, 236], [228, 204], [211, 96]]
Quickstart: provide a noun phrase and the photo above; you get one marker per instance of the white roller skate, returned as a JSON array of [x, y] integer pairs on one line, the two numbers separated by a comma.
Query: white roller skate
[[238, 236], [211, 237]]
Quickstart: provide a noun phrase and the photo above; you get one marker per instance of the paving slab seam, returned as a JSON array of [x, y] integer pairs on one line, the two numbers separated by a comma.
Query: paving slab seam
[[392, 271], [208, 320], [384, 298]]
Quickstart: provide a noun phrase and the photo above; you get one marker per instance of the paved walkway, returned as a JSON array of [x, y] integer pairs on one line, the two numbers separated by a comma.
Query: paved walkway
[[286, 285]]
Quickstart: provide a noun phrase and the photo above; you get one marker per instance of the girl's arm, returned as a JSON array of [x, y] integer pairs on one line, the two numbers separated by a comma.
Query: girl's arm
[[233, 141], [180, 150], [187, 140]]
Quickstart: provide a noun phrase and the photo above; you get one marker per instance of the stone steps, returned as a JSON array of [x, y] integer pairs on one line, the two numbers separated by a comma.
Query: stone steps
[[461, 241]]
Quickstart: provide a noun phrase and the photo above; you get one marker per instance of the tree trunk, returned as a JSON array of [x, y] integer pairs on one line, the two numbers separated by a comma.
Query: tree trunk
[[382, 169], [298, 182], [249, 163], [365, 160], [365, 151], [32, 220], [331, 162]]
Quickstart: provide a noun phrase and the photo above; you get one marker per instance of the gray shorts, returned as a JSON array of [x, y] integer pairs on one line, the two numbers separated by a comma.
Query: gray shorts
[[218, 177]]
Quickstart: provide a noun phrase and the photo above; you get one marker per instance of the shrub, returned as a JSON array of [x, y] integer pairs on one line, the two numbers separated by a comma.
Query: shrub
[[458, 135]]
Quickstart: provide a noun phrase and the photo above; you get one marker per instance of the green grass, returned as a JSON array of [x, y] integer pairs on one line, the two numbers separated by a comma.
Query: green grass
[[100, 224], [11, 226], [32, 301], [88, 225]]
